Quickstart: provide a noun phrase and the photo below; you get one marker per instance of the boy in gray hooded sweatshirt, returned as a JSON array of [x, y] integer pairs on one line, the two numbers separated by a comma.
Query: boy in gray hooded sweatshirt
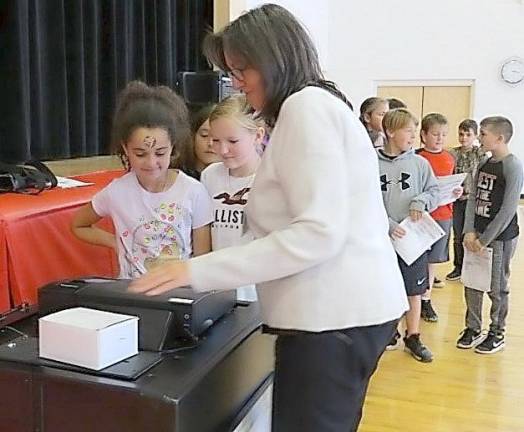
[[409, 188]]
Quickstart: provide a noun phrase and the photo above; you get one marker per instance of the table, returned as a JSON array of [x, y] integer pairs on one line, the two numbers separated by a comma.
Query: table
[[207, 389], [37, 245]]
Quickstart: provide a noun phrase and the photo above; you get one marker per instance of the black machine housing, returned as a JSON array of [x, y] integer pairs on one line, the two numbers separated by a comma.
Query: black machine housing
[[166, 321]]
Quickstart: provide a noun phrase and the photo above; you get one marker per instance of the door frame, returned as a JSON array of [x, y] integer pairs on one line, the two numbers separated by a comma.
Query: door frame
[[432, 83]]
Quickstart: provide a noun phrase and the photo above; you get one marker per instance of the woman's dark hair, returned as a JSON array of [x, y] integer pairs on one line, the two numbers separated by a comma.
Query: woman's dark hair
[[140, 105], [271, 40], [186, 161]]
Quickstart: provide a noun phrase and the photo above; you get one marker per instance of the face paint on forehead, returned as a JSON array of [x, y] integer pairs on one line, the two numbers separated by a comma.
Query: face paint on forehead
[[149, 141]]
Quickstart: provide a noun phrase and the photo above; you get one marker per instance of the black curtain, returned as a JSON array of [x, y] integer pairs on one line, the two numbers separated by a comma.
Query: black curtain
[[62, 63]]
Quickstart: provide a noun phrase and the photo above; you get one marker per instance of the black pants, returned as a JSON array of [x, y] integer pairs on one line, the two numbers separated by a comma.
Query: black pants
[[459, 213], [321, 379]]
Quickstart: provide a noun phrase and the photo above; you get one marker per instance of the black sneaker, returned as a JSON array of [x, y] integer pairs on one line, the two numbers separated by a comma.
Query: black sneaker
[[427, 312], [417, 349], [469, 338], [437, 283], [493, 343], [454, 275], [393, 343]]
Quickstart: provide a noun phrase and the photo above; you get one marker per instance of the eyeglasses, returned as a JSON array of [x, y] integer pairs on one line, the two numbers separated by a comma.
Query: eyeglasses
[[236, 73]]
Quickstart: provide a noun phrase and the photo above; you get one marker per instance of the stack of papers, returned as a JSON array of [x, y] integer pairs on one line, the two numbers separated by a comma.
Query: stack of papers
[[420, 236], [446, 186], [476, 269]]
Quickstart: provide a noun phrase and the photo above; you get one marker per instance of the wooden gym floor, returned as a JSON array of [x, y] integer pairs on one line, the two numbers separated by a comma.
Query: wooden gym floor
[[460, 391]]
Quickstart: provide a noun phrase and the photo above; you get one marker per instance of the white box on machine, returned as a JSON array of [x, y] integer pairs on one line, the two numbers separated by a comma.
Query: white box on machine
[[88, 337]]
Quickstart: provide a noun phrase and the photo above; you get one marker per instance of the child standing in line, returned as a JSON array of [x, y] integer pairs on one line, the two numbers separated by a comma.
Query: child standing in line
[[409, 188], [237, 138], [433, 134], [467, 156], [372, 112], [491, 221], [198, 153]]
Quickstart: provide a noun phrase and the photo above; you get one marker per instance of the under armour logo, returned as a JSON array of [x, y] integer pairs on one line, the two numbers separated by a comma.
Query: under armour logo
[[237, 198], [384, 182], [402, 181]]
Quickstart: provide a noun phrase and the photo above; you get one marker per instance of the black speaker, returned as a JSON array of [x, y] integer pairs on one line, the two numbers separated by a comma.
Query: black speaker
[[202, 88]]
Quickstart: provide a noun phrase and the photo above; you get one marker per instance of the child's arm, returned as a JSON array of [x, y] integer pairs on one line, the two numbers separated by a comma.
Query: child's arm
[[513, 174], [202, 218], [201, 239], [470, 235], [395, 230], [429, 198], [84, 229]]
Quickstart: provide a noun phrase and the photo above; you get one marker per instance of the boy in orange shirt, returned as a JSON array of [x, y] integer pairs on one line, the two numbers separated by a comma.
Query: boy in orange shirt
[[433, 134]]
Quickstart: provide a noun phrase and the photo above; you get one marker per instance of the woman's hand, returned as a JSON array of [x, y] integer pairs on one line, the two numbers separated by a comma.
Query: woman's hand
[[165, 277]]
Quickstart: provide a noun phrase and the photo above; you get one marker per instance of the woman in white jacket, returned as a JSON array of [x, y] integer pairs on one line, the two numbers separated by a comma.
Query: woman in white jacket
[[327, 276]]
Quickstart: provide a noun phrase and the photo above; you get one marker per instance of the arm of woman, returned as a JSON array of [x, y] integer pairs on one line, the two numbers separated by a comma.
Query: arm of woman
[[84, 229]]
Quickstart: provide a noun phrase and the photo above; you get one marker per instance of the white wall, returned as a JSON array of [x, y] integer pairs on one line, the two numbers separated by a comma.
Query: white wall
[[365, 41]]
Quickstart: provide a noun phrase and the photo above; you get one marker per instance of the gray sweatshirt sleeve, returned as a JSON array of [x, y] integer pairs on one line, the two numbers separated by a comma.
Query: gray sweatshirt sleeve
[[429, 198], [514, 176]]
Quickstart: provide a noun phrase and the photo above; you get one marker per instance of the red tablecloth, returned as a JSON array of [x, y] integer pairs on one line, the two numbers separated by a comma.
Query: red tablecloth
[[4, 276], [36, 243]]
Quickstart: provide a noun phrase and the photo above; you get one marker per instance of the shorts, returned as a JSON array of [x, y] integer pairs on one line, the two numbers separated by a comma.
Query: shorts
[[416, 278], [439, 252]]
